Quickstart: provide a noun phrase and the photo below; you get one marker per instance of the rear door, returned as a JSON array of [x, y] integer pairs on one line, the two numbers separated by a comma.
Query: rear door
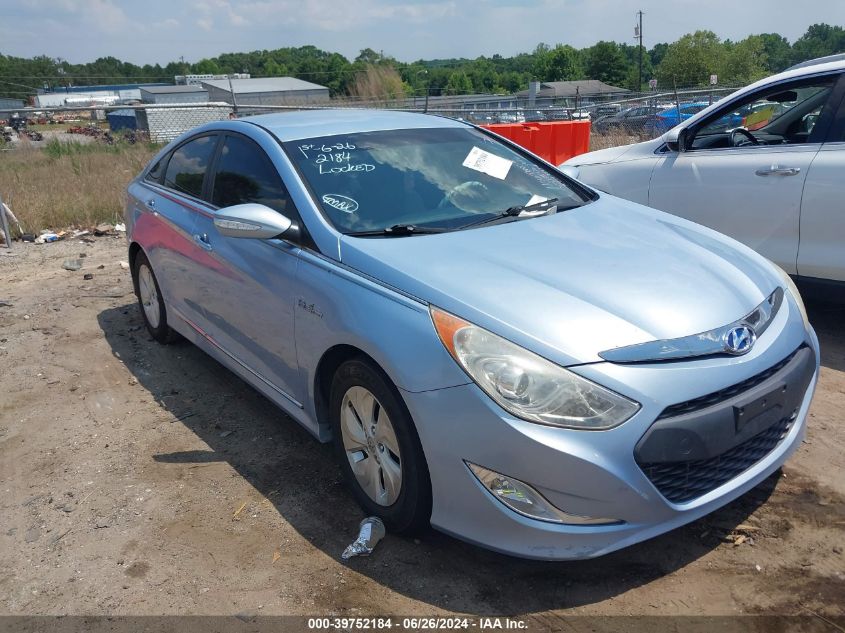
[[751, 192], [248, 297], [821, 251], [169, 200]]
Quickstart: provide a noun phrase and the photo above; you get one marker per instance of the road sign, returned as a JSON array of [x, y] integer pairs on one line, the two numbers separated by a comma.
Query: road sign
[[652, 83], [714, 79]]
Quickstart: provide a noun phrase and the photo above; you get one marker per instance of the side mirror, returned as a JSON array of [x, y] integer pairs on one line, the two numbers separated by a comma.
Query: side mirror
[[677, 139], [251, 220], [571, 171]]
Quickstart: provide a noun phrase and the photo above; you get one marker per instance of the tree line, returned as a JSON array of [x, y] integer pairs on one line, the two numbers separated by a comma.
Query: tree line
[[687, 62]]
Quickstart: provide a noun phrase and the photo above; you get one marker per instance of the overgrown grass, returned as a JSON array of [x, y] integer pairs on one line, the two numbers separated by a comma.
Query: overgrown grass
[[68, 183], [614, 138]]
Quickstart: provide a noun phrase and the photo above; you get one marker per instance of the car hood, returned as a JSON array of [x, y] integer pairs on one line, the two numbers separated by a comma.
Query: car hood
[[568, 286], [614, 154]]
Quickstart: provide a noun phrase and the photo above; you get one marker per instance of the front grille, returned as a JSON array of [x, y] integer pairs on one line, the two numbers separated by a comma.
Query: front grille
[[710, 399], [680, 482]]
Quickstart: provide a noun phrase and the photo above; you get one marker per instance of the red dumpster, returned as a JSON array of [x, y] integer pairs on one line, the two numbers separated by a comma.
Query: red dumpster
[[555, 141]]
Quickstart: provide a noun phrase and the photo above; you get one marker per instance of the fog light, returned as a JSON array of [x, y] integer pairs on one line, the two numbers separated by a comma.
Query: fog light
[[522, 498]]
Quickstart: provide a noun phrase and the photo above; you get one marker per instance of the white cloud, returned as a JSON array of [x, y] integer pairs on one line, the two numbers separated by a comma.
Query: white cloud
[[169, 23], [206, 24]]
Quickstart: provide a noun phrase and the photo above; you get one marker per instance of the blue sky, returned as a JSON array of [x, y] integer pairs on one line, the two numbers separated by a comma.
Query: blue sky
[[163, 30]]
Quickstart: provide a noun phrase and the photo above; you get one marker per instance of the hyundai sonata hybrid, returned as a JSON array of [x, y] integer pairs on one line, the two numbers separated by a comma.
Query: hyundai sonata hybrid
[[493, 348]]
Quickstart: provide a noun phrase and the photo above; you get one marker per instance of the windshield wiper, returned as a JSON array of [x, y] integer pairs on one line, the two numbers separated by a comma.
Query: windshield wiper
[[400, 230], [512, 212]]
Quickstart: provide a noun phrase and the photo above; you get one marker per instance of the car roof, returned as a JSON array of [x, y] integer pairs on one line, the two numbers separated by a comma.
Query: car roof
[[303, 124], [819, 60]]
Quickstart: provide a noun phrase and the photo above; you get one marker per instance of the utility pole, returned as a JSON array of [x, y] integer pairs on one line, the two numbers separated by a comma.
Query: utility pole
[[638, 34], [232, 92]]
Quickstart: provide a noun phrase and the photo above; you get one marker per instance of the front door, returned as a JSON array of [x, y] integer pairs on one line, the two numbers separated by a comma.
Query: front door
[[746, 166], [821, 253], [248, 299]]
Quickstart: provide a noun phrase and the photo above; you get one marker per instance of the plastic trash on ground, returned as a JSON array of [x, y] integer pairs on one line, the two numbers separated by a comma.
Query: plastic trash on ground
[[370, 532]]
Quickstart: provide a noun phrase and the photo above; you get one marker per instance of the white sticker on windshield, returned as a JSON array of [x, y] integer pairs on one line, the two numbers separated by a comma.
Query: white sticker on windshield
[[339, 202], [488, 163]]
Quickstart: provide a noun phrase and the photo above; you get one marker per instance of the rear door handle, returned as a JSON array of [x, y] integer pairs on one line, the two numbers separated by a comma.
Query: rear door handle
[[202, 241], [775, 170]]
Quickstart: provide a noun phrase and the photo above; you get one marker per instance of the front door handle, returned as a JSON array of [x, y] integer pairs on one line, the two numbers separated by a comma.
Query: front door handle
[[775, 170], [202, 241], [151, 203]]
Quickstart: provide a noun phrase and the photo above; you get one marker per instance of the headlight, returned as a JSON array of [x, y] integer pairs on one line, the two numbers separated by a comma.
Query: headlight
[[527, 385], [793, 290]]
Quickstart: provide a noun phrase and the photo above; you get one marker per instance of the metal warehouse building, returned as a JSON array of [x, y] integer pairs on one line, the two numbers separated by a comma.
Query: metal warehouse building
[[7, 106], [166, 122], [88, 95], [269, 91], [174, 94]]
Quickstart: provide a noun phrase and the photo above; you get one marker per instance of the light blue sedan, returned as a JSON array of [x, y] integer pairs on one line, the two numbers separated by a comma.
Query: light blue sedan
[[494, 349]]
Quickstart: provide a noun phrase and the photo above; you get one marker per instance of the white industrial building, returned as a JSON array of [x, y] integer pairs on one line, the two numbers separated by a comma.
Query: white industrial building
[[62, 96], [266, 91], [196, 80]]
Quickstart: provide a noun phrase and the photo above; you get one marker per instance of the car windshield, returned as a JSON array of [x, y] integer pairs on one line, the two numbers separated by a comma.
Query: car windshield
[[435, 178]]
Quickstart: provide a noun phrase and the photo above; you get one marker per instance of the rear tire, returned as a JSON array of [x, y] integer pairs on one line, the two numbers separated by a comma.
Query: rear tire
[[378, 449], [150, 301]]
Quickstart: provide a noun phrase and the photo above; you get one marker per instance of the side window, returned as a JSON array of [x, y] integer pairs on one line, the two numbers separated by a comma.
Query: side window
[[245, 174], [154, 175], [188, 164], [777, 115]]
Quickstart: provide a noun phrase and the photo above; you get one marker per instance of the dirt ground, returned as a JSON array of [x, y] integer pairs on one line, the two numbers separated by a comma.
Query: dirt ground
[[142, 479]]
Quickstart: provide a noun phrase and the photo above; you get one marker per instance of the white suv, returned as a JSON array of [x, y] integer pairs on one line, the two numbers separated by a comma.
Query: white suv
[[765, 165]]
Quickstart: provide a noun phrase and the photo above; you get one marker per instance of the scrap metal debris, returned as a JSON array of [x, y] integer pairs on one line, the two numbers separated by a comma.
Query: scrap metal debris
[[370, 532]]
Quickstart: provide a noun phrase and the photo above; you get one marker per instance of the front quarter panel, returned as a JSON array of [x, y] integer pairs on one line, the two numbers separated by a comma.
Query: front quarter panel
[[339, 306], [627, 179]]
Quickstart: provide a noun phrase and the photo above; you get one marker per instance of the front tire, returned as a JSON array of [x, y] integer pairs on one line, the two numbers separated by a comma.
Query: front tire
[[377, 448], [150, 301]]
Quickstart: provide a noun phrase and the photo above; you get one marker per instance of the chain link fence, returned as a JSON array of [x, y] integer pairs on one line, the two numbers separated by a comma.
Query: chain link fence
[[634, 116]]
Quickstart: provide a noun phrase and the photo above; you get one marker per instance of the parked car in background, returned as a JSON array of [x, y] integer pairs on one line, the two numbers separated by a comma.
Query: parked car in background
[[764, 165], [493, 348], [511, 116], [607, 109], [535, 115], [580, 115], [634, 120], [667, 118]]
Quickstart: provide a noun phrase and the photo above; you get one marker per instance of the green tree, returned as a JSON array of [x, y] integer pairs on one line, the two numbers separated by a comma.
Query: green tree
[[818, 41], [691, 60], [657, 53], [604, 61], [561, 63], [206, 67], [778, 52], [459, 84], [745, 61]]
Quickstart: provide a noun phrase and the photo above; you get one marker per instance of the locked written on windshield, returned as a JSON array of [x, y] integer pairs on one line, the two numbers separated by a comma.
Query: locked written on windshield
[[428, 178]]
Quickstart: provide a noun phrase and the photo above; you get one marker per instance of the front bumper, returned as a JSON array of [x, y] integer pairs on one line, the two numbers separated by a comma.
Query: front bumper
[[588, 473]]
